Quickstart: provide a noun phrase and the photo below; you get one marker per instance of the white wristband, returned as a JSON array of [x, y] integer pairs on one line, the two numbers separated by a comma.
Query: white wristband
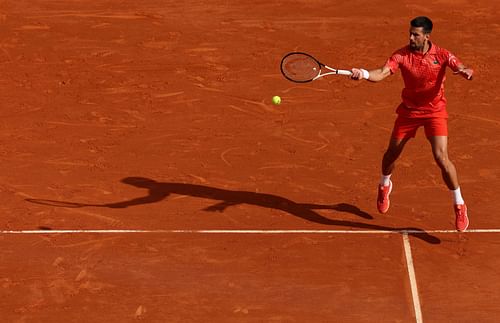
[[366, 74]]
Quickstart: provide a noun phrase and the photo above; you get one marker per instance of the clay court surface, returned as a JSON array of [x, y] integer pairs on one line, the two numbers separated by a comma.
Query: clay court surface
[[147, 176]]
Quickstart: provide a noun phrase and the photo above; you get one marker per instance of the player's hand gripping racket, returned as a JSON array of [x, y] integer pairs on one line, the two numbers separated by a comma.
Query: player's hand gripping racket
[[302, 68]]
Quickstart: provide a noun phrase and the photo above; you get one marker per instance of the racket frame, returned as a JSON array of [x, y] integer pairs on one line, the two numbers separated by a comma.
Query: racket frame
[[332, 71]]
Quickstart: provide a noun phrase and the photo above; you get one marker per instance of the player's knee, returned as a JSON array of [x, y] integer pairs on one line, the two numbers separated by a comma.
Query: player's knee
[[388, 157], [442, 160], [392, 154]]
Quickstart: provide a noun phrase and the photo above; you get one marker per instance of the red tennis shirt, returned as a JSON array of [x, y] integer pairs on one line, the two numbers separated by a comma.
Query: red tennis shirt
[[424, 76]]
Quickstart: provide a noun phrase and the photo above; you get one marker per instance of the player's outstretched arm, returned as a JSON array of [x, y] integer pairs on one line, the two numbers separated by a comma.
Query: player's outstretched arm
[[464, 71], [373, 75]]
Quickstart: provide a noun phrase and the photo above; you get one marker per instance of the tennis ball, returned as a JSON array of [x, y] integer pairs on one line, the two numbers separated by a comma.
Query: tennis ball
[[276, 100]]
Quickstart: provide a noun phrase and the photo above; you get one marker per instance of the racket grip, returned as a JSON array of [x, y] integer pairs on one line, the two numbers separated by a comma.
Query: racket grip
[[344, 72]]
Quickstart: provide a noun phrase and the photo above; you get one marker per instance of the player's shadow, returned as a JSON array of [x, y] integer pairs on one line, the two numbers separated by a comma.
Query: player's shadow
[[158, 191]]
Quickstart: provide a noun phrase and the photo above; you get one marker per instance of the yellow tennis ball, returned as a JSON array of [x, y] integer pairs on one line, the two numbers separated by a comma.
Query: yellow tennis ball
[[276, 100]]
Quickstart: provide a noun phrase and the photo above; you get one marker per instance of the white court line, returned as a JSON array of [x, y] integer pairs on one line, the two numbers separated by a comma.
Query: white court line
[[216, 231], [413, 280]]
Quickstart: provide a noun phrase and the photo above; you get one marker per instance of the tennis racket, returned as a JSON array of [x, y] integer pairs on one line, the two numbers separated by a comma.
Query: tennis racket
[[302, 68]]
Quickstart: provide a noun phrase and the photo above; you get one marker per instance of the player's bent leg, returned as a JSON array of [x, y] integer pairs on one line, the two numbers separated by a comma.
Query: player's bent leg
[[392, 153], [394, 150], [440, 151], [449, 173]]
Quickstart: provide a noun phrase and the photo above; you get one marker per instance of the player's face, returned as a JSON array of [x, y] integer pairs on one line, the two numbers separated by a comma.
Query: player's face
[[418, 38]]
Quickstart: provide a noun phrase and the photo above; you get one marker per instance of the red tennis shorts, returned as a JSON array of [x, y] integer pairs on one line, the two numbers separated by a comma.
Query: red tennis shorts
[[405, 127]]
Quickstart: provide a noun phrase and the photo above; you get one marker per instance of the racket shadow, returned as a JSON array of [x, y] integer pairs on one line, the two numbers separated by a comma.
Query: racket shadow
[[158, 191], [57, 203]]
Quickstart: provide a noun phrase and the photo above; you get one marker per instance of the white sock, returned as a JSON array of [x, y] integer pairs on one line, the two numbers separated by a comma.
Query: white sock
[[385, 180], [457, 196]]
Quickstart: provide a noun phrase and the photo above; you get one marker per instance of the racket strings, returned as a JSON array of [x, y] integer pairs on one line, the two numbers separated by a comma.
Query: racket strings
[[300, 67]]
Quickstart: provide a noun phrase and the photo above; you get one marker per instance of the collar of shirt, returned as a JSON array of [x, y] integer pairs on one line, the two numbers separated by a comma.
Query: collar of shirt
[[430, 51]]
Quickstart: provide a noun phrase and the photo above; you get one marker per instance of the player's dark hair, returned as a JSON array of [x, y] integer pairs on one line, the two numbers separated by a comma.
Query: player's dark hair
[[423, 22]]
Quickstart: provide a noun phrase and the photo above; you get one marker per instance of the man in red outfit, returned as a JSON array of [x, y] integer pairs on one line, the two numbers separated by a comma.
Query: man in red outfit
[[423, 66]]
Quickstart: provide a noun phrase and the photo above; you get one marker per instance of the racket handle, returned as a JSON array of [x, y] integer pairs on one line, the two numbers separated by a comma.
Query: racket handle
[[344, 72]]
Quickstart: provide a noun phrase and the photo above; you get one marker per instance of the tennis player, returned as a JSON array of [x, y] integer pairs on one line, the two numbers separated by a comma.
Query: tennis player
[[423, 65]]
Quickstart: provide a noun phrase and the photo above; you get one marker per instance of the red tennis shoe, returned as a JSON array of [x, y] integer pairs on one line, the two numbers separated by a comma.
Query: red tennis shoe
[[461, 218], [383, 202]]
